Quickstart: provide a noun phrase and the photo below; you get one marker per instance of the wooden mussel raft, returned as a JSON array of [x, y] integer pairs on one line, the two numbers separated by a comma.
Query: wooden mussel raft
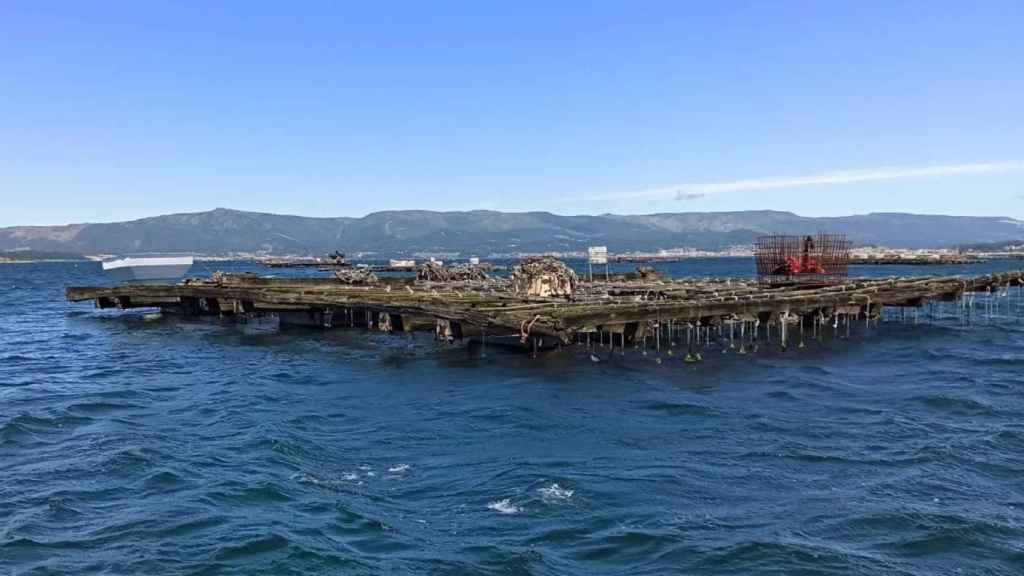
[[544, 304]]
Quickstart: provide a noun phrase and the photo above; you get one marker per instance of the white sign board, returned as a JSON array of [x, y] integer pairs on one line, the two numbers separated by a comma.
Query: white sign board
[[598, 254]]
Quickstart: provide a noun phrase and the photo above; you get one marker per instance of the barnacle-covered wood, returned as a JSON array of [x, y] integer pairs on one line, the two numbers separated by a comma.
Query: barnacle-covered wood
[[544, 277]]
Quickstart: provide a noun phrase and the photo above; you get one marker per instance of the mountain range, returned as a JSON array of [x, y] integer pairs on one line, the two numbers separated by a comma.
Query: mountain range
[[223, 231]]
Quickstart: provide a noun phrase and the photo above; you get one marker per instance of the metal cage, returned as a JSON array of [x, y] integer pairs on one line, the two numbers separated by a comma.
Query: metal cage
[[811, 259]]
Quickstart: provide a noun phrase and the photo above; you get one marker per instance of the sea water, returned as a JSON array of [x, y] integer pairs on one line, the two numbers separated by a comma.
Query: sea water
[[136, 443]]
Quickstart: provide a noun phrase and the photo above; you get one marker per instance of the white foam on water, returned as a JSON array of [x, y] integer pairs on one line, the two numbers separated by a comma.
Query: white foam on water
[[305, 478], [555, 493], [504, 507], [311, 479], [399, 469]]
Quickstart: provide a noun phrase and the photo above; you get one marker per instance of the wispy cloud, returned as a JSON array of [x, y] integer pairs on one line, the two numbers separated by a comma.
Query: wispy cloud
[[698, 190], [690, 195]]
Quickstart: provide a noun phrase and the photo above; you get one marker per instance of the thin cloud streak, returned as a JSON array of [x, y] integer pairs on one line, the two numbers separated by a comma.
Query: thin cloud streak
[[700, 190]]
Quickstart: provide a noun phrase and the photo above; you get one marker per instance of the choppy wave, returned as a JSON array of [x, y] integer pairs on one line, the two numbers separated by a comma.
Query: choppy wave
[[681, 408], [555, 493], [504, 506]]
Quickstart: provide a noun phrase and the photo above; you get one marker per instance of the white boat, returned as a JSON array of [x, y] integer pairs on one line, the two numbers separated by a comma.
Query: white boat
[[148, 268]]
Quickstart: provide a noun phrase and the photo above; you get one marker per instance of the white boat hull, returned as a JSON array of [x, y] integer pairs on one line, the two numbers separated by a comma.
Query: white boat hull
[[146, 269]]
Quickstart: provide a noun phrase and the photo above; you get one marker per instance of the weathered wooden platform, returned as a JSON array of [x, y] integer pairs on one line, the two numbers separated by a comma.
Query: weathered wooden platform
[[631, 310]]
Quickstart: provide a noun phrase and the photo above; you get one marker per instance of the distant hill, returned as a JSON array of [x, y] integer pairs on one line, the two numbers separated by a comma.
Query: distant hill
[[224, 231]]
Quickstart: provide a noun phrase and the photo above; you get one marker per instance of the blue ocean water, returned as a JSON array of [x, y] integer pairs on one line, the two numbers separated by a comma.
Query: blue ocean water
[[132, 443]]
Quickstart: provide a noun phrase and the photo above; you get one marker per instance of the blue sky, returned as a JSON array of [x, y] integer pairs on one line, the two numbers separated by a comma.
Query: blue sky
[[110, 111]]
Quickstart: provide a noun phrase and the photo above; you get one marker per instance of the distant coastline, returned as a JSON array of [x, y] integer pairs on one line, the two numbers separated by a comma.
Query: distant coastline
[[8, 261], [420, 233], [37, 256], [859, 256]]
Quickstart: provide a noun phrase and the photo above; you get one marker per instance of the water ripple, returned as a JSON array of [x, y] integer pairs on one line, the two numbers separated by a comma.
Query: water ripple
[[143, 445]]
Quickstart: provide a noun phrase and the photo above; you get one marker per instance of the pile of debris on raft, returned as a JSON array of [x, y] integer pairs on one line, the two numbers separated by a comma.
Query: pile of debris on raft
[[642, 273], [220, 277], [356, 276], [543, 276], [434, 272], [648, 273]]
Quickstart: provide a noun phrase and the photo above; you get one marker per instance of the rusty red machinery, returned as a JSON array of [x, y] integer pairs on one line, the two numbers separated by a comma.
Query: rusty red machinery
[[811, 259]]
